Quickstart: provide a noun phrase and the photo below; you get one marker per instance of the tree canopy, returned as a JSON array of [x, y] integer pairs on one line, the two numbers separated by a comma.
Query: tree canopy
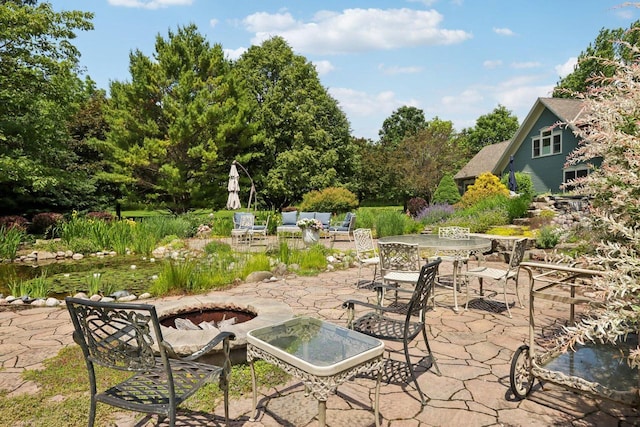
[[404, 122], [600, 59], [171, 121], [304, 135], [39, 91], [497, 126]]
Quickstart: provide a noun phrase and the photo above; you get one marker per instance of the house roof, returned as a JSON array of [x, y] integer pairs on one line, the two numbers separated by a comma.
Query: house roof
[[485, 161], [494, 158], [565, 109]]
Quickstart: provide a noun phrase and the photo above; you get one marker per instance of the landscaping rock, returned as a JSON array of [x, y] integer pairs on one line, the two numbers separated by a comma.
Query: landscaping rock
[[52, 302], [38, 302], [128, 298], [259, 276], [95, 297], [145, 295], [107, 299], [81, 295], [77, 256]]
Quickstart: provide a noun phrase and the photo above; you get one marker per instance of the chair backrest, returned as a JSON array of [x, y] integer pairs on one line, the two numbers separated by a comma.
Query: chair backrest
[[308, 215], [117, 335], [399, 256], [289, 218], [422, 292], [324, 218], [363, 240], [454, 233], [246, 221], [352, 222], [517, 253]]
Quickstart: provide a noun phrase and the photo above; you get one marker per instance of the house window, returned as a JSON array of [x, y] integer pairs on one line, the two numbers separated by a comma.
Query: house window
[[548, 143], [572, 173]]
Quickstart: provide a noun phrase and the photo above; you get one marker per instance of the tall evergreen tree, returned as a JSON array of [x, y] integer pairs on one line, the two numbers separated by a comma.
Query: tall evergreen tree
[[171, 121]]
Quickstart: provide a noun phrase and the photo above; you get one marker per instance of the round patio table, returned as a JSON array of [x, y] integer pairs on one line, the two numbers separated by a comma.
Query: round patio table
[[456, 249]]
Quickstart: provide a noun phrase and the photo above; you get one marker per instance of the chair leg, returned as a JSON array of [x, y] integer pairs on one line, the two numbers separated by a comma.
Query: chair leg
[[433, 358], [423, 397], [504, 291]]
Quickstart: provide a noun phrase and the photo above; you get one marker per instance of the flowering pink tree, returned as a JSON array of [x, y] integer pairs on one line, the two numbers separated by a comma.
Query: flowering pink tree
[[610, 129]]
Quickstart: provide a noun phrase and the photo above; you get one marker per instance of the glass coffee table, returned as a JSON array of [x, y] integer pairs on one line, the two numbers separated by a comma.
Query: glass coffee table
[[321, 354]]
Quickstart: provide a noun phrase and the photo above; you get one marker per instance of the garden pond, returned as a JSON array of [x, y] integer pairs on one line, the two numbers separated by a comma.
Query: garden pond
[[67, 277]]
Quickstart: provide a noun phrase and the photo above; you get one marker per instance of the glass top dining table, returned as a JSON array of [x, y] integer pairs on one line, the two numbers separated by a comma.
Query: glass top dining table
[[454, 249]]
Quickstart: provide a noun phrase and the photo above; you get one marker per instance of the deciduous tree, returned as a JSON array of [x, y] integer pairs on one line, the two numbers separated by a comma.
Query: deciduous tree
[[39, 91], [304, 135], [497, 126]]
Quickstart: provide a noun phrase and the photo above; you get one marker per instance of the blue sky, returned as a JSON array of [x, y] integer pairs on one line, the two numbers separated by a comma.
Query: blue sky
[[454, 59]]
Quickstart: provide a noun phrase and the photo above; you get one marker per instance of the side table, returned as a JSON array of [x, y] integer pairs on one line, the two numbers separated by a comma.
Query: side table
[[321, 354]]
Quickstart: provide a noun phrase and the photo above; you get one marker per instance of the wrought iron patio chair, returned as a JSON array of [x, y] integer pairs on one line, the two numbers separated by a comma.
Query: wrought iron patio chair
[[500, 275], [366, 253], [384, 323], [127, 337]]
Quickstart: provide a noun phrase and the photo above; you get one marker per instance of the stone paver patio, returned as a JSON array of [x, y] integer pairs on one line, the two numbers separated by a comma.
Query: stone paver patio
[[473, 350]]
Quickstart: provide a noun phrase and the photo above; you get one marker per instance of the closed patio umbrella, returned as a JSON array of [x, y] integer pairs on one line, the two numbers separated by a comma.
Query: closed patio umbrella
[[513, 185], [233, 201]]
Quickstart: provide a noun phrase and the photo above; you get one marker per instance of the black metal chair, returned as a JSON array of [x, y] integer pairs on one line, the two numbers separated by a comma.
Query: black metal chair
[[385, 323], [127, 337]]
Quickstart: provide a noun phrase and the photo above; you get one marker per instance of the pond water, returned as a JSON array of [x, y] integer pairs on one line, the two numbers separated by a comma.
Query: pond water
[[68, 277]]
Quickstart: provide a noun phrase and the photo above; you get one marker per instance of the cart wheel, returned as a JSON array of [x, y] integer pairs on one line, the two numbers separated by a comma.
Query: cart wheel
[[520, 375]]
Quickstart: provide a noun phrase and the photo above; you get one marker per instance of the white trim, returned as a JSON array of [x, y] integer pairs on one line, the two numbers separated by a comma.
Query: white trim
[[550, 135]]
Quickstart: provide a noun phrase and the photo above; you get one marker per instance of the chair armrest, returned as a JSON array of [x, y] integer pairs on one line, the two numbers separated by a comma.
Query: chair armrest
[[221, 337], [379, 288]]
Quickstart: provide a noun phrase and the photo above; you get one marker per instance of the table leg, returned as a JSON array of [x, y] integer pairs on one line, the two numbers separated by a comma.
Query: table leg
[[322, 413], [255, 392], [376, 401], [455, 285]]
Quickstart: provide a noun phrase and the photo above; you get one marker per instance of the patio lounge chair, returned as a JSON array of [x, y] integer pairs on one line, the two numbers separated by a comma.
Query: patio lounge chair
[[344, 229]]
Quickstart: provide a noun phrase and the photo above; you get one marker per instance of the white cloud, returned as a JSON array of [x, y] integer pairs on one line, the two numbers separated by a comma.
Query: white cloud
[[150, 4], [394, 69], [492, 63], [522, 65], [234, 54], [504, 32], [213, 22], [368, 111], [323, 67], [355, 30], [565, 69]]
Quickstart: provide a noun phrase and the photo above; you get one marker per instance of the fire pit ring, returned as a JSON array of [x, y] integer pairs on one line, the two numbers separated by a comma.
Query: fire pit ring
[[185, 342]]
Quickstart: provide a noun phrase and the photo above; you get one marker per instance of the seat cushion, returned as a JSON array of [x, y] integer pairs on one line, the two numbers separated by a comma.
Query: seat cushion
[[402, 276], [289, 218]]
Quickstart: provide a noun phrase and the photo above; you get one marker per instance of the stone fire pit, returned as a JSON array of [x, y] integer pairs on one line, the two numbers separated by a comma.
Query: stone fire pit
[[184, 342]]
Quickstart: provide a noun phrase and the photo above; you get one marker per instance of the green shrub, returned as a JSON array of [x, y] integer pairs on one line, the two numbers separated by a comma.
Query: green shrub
[[518, 207], [524, 183], [332, 199], [547, 238], [485, 186], [447, 192], [391, 223], [483, 215]]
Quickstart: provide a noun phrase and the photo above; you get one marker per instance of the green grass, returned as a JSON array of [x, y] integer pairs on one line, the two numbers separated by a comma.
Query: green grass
[[62, 398]]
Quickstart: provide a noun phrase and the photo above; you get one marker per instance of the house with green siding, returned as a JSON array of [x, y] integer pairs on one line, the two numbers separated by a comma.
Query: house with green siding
[[539, 148]]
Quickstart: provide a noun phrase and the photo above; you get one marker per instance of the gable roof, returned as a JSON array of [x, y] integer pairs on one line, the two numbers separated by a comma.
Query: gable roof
[[485, 161], [567, 110]]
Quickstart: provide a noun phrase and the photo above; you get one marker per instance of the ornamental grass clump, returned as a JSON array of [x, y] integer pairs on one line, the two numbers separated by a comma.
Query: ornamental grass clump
[[610, 129]]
